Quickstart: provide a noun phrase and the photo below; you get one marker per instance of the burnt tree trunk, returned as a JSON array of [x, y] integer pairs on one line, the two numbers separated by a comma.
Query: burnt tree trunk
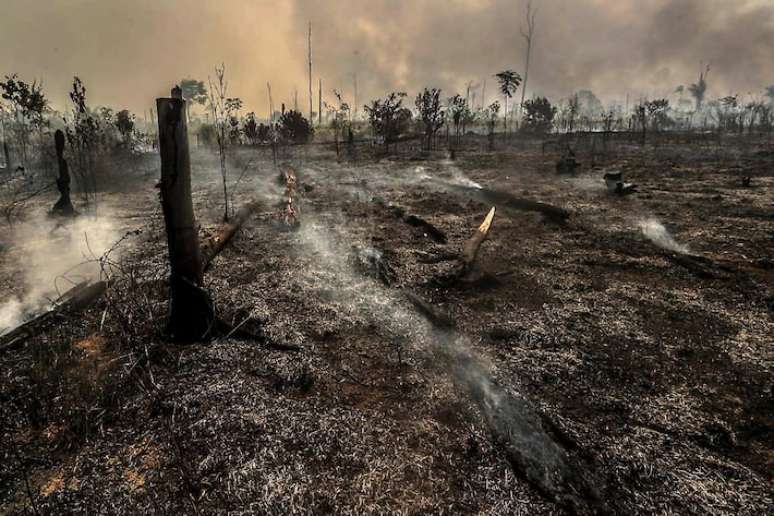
[[191, 313], [7, 156], [64, 205]]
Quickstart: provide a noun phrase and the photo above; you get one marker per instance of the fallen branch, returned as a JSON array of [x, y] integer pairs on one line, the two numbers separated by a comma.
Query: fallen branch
[[521, 431], [698, 265], [223, 235], [411, 219], [74, 300], [239, 332], [508, 201]]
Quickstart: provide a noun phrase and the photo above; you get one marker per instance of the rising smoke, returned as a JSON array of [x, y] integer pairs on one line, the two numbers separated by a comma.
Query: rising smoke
[[612, 47], [51, 258], [659, 235], [516, 424]]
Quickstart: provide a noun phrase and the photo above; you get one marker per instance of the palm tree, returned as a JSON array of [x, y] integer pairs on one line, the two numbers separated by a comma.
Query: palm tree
[[509, 82]]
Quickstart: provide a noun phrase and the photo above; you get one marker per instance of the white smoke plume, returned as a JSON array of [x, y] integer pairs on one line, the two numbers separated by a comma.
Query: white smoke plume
[[659, 235], [52, 257], [509, 415]]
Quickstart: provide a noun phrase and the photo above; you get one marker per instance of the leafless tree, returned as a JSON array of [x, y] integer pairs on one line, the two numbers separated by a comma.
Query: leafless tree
[[219, 110], [311, 114], [527, 35]]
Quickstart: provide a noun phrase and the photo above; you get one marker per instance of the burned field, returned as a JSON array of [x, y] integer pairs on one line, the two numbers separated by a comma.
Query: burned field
[[598, 354]]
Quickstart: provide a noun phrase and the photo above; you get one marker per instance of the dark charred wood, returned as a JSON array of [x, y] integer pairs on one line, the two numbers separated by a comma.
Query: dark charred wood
[[64, 206], [522, 432], [191, 310], [413, 220], [74, 300], [223, 235], [509, 202], [241, 333], [437, 318]]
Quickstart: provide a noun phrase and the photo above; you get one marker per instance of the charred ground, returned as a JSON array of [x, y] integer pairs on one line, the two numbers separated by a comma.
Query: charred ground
[[657, 374]]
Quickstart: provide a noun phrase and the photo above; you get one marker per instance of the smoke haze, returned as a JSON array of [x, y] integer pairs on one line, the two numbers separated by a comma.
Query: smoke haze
[[53, 259], [128, 53]]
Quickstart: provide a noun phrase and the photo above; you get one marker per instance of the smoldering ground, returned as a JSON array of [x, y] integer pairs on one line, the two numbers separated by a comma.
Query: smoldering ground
[[51, 256], [657, 233], [354, 285]]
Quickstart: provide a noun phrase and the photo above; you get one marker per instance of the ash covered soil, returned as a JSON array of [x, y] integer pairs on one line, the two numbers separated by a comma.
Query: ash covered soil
[[658, 375]]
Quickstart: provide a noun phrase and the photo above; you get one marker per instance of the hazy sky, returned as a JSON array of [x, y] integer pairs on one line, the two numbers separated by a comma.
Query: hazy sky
[[129, 52]]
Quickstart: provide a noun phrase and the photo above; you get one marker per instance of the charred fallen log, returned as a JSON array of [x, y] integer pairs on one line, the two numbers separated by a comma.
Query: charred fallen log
[[523, 433], [223, 235], [509, 202], [700, 266], [72, 301], [436, 317], [413, 220]]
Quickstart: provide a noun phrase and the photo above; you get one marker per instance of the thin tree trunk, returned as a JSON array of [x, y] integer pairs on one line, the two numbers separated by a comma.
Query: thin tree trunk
[[271, 104], [310, 74], [528, 37]]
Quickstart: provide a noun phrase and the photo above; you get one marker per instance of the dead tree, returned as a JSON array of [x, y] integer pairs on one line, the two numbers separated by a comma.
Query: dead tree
[[64, 205], [191, 313], [311, 114], [528, 37], [220, 113], [6, 156]]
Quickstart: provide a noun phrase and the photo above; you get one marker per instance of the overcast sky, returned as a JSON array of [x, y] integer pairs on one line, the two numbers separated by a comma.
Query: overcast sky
[[129, 52]]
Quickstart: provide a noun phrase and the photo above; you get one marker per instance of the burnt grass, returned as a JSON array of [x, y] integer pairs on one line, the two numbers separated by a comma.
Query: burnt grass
[[658, 377]]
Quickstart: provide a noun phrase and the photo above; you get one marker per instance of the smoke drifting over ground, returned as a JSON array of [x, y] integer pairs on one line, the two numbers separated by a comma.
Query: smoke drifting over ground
[[52, 258], [613, 47], [659, 235], [509, 416]]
